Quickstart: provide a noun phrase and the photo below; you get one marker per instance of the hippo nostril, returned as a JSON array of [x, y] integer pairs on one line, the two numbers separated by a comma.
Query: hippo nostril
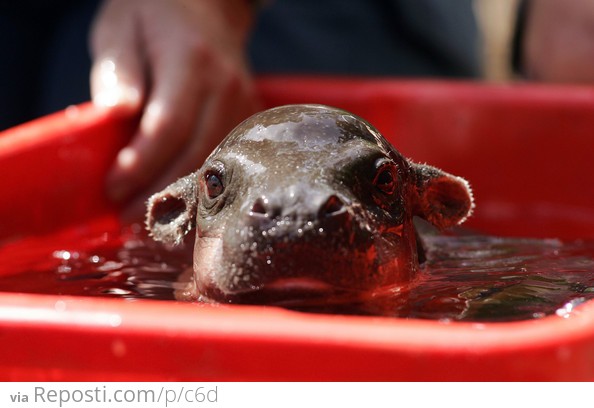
[[259, 208], [332, 206]]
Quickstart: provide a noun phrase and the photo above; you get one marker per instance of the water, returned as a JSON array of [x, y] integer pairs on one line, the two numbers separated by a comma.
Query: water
[[100, 259], [479, 278], [466, 277]]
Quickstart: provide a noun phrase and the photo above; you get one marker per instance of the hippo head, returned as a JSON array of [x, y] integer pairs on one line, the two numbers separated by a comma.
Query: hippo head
[[304, 201]]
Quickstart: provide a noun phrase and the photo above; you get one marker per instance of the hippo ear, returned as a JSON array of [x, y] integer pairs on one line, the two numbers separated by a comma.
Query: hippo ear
[[441, 198], [171, 213]]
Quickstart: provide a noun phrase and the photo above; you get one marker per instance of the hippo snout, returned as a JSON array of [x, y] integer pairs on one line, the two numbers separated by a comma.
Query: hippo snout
[[291, 237], [295, 211], [301, 201]]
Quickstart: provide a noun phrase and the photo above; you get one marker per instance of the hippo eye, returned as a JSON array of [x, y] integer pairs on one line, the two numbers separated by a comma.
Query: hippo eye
[[385, 177], [214, 185]]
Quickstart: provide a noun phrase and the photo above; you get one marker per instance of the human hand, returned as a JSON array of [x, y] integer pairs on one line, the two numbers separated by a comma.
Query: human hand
[[559, 41], [179, 64]]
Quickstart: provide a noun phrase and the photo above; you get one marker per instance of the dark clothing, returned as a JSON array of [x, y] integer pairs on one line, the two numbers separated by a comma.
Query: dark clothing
[[46, 62], [367, 37]]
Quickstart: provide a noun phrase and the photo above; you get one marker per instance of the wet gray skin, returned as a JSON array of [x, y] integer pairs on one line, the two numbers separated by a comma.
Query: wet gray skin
[[304, 202]]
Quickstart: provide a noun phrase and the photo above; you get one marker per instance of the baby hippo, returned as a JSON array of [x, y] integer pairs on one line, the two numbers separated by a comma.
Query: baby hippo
[[304, 202]]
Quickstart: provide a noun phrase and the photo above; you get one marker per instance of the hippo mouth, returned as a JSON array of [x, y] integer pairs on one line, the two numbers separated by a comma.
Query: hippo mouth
[[292, 274], [314, 271], [298, 284]]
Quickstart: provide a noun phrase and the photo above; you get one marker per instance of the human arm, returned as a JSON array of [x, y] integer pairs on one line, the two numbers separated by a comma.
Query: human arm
[[558, 41]]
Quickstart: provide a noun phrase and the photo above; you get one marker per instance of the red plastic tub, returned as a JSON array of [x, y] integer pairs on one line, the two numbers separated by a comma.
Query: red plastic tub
[[527, 151]]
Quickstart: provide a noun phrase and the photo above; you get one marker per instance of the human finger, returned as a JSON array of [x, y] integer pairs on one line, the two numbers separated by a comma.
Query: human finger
[[177, 96], [117, 74]]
